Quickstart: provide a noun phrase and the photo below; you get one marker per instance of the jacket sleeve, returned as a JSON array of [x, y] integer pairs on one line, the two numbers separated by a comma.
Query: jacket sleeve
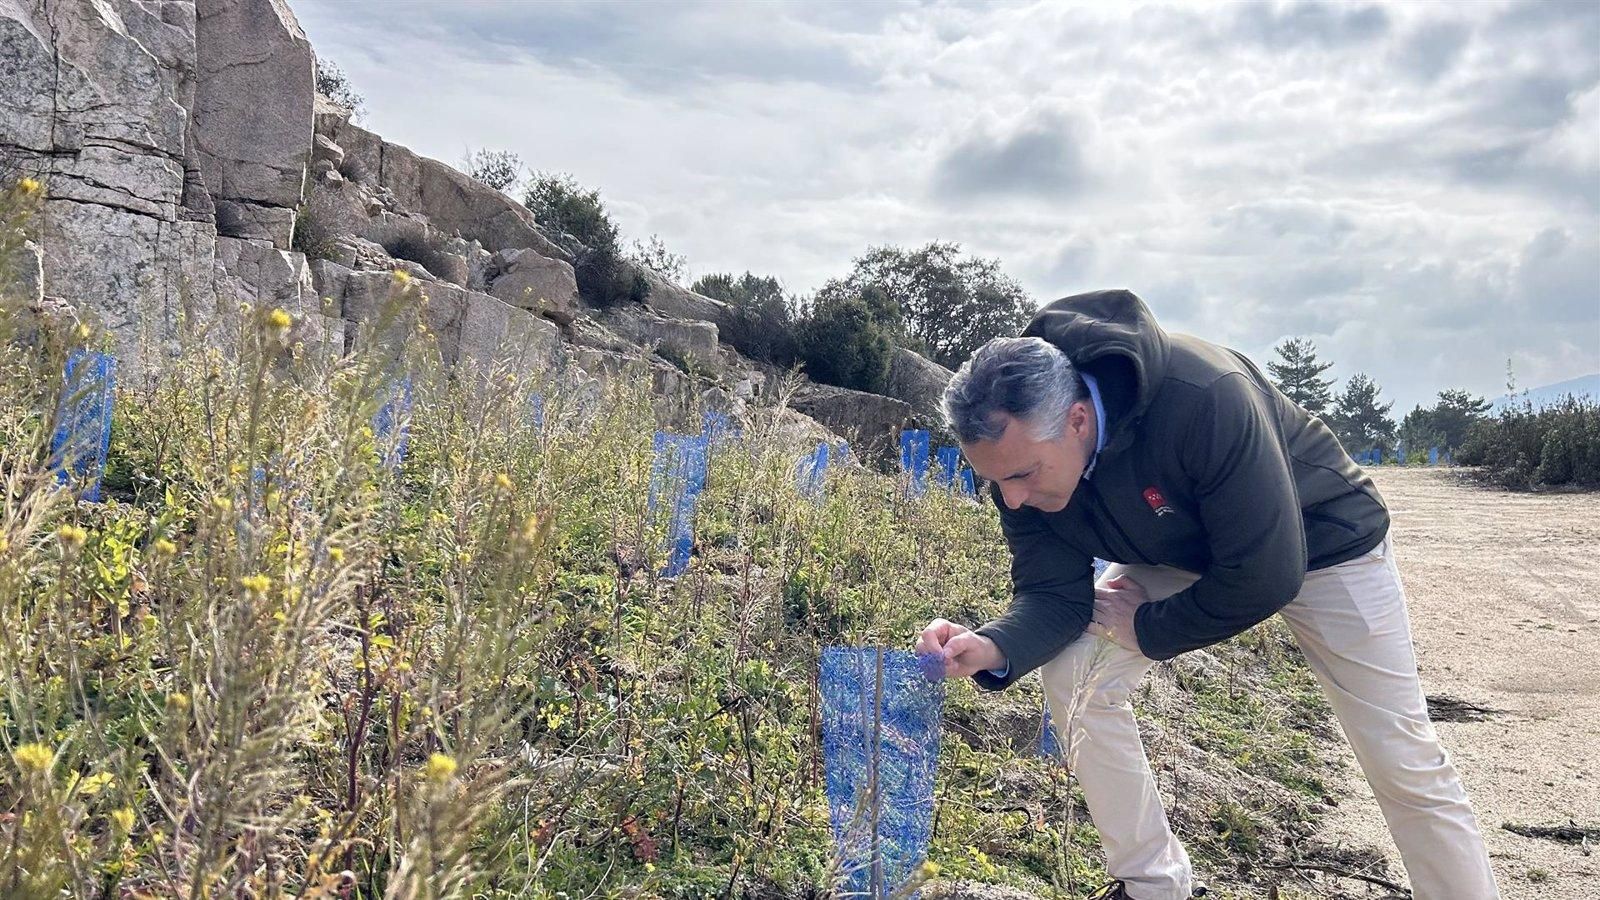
[[1052, 596], [1250, 511]]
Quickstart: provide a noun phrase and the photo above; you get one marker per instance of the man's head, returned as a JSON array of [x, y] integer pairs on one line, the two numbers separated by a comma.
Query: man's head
[[1019, 410]]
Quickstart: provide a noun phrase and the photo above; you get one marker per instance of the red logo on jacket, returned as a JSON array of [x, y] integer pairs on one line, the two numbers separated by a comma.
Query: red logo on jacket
[[1158, 502]]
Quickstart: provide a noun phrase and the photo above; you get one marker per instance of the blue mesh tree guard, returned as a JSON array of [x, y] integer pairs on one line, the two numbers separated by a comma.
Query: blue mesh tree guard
[[1049, 741], [841, 453], [1433, 456], [391, 424], [717, 428], [83, 421], [914, 458], [947, 462], [811, 472], [881, 712], [536, 406], [1400, 453], [677, 476]]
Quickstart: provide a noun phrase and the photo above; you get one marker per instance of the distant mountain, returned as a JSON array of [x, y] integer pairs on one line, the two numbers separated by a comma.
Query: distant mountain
[[1582, 386]]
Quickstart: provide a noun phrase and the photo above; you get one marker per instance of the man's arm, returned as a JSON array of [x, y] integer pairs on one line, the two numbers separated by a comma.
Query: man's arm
[[1052, 596], [1251, 514]]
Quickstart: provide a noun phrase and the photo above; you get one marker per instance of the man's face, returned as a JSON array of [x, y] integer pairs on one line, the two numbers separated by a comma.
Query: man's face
[[1037, 473]]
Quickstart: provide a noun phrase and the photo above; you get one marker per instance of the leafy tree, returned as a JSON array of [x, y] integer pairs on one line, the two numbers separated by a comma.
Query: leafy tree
[[760, 322], [1360, 421], [332, 83], [1298, 373], [1447, 424], [935, 301], [556, 199], [654, 255], [498, 169], [842, 343]]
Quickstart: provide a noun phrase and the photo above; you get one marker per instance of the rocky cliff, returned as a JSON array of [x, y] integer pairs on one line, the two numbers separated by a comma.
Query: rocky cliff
[[189, 165]]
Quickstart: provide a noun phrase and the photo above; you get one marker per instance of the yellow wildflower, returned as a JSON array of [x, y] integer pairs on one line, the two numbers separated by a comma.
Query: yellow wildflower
[[256, 584], [503, 481], [928, 869], [336, 555], [178, 701], [82, 332], [91, 785], [33, 757], [440, 768], [402, 277], [72, 535], [279, 318], [5, 543], [165, 547], [29, 186], [123, 818]]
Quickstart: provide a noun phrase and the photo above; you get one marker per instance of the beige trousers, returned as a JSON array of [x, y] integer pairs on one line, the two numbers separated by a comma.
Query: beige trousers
[[1350, 622]]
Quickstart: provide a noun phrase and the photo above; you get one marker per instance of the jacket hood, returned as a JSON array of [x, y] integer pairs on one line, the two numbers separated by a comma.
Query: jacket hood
[[1104, 329]]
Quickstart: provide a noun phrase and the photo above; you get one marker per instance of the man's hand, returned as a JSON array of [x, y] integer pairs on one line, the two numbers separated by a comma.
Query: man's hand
[[1114, 605], [964, 650]]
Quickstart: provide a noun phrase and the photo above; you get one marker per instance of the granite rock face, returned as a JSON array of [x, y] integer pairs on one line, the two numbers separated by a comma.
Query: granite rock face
[[189, 167], [253, 155]]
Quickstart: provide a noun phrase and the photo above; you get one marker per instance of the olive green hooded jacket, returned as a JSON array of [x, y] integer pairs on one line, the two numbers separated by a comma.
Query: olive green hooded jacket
[[1206, 467]]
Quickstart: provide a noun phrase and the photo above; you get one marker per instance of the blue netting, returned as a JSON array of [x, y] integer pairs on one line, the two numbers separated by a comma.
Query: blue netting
[[1049, 741], [391, 424], [841, 453], [717, 428], [1400, 453], [914, 458], [947, 462], [536, 406], [83, 421], [1433, 456], [969, 486], [811, 471], [677, 476], [893, 736]]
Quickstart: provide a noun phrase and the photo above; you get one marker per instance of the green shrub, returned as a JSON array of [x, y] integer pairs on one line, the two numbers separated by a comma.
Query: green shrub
[[1525, 447], [606, 279], [759, 322], [556, 199], [842, 344]]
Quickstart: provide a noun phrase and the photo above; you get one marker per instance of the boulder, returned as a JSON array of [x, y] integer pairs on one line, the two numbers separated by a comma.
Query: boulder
[[266, 277], [870, 422], [254, 107], [494, 333], [672, 301], [691, 345], [920, 382], [530, 280]]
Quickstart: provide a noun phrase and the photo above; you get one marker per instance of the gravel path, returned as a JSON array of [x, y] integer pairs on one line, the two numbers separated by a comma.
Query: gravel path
[[1504, 592]]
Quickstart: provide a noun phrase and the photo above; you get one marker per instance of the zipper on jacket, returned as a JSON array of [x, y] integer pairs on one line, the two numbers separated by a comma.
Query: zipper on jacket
[[1106, 512]]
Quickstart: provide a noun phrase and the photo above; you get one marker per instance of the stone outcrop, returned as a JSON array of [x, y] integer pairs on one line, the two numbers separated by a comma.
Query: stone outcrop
[[920, 382], [253, 155], [189, 166], [871, 422]]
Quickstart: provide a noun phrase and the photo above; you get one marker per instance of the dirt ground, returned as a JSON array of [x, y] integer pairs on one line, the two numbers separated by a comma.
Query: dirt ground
[[1504, 593]]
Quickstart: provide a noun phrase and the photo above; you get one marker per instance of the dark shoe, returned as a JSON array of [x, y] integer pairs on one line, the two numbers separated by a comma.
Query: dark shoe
[[1116, 890]]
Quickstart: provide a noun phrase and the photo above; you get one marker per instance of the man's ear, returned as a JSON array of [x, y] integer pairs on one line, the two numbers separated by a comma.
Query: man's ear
[[1078, 419]]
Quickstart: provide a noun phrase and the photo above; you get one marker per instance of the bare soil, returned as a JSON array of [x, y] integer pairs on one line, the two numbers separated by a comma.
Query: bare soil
[[1504, 594]]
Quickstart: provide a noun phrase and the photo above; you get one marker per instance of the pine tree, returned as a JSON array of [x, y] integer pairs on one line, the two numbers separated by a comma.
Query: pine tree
[[1360, 421], [1298, 374]]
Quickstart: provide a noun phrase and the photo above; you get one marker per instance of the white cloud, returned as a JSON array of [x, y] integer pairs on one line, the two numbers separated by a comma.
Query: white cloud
[[1414, 186]]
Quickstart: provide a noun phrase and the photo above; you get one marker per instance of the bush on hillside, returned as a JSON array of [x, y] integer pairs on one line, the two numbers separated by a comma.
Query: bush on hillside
[[759, 323], [556, 199], [842, 344], [605, 279]]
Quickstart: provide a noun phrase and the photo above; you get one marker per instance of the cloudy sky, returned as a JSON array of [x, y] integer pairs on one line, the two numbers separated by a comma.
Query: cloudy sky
[[1415, 186]]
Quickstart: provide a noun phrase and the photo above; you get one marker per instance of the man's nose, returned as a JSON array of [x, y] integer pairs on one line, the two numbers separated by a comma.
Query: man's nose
[[1014, 496]]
